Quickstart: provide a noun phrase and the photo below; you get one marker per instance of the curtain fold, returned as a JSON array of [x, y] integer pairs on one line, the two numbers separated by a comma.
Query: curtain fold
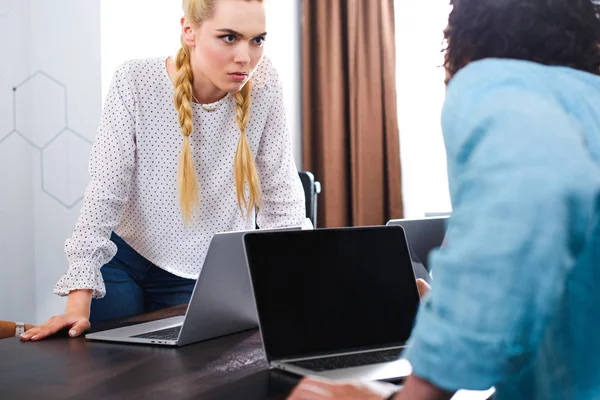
[[350, 129]]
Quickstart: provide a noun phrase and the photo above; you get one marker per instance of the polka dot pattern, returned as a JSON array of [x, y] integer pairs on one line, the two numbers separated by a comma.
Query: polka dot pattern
[[134, 165]]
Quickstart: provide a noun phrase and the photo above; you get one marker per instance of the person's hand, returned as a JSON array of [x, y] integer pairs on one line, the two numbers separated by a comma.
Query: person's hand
[[423, 287], [317, 389], [76, 322], [75, 318]]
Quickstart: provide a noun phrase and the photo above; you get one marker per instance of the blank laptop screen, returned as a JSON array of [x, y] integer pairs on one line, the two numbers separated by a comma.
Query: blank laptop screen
[[332, 290]]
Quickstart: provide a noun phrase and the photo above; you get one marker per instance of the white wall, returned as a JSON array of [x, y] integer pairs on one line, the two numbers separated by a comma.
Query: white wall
[[128, 34], [125, 36], [421, 90], [17, 288], [47, 122]]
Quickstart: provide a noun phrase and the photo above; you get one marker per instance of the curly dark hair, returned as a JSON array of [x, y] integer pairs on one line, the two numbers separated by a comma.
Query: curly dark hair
[[551, 32]]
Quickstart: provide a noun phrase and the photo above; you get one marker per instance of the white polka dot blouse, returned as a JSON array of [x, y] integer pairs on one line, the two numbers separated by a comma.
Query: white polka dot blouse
[[134, 166]]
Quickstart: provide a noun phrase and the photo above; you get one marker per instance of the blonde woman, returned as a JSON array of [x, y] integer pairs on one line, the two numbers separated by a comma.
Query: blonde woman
[[187, 147]]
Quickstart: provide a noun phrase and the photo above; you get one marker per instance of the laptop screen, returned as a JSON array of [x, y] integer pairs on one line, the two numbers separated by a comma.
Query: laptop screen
[[332, 290]]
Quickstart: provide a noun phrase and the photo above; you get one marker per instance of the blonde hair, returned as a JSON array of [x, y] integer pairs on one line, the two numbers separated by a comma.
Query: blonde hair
[[244, 167]]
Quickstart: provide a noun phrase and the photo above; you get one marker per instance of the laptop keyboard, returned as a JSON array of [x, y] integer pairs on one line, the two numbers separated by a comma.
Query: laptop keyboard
[[349, 360], [164, 334]]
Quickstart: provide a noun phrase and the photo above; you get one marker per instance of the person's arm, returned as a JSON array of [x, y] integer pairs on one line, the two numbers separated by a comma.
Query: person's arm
[[312, 388], [9, 329], [283, 202], [523, 188], [76, 318], [112, 162]]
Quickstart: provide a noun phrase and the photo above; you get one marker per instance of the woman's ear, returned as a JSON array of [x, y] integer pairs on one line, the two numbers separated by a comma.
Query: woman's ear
[[187, 33]]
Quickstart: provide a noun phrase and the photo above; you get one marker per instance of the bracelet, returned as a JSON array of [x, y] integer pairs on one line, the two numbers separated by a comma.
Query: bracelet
[[19, 328]]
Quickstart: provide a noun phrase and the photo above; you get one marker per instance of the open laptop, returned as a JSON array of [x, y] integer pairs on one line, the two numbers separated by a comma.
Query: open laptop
[[335, 303], [221, 303], [423, 235]]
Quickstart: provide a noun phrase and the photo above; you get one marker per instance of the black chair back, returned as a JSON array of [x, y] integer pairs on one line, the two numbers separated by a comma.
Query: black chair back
[[311, 190]]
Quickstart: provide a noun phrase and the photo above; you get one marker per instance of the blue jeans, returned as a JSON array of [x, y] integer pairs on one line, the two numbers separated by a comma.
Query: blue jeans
[[135, 286]]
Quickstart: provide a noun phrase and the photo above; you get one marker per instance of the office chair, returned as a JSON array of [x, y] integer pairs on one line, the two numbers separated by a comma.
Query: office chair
[[312, 189]]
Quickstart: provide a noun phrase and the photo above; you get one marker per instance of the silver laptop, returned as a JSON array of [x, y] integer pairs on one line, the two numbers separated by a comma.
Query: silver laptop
[[221, 303], [423, 235], [335, 303]]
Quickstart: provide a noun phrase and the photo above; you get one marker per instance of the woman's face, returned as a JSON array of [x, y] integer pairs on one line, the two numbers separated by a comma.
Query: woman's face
[[226, 48]]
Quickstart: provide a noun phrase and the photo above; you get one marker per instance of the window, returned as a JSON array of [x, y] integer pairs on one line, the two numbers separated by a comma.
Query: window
[[421, 90]]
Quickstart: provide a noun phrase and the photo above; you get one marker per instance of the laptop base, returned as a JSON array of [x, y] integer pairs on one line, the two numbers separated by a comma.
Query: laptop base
[[126, 333]]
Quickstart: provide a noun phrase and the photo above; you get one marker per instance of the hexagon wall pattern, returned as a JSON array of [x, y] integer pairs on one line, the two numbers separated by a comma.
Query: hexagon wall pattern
[[6, 104], [40, 93], [63, 152]]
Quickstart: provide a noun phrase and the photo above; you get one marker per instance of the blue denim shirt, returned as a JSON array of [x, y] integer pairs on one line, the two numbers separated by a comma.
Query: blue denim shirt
[[515, 302]]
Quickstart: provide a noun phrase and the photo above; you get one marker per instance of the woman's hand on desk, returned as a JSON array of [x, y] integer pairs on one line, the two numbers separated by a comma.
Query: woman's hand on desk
[[75, 318]]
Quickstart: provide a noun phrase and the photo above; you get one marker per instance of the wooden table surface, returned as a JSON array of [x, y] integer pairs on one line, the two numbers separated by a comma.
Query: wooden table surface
[[230, 367]]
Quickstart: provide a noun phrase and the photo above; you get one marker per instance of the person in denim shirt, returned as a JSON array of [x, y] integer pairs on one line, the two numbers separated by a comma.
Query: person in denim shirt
[[515, 303]]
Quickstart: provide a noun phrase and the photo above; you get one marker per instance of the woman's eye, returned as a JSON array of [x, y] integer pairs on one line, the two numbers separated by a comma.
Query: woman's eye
[[229, 38], [259, 41]]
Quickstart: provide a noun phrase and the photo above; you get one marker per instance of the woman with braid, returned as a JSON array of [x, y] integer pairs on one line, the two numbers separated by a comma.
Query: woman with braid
[[187, 147]]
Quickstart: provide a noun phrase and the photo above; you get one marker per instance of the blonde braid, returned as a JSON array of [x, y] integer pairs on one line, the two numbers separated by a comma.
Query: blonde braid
[[244, 166], [187, 182]]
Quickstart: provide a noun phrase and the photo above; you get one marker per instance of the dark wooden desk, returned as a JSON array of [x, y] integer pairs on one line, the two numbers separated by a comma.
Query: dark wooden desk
[[230, 367], [226, 368]]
